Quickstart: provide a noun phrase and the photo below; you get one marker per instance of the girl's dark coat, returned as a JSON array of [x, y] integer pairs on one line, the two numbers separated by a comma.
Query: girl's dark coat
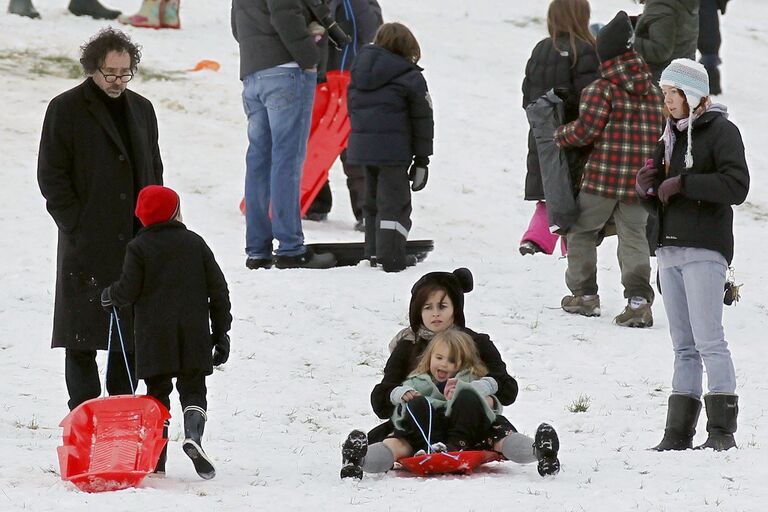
[[175, 285]]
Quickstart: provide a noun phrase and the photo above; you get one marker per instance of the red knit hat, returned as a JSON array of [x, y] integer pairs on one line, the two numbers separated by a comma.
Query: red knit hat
[[156, 204]]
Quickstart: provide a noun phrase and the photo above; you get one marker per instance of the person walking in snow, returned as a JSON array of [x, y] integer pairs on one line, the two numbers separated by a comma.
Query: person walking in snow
[[98, 148], [172, 280], [699, 170], [565, 61], [709, 41], [621, 116], [666, 30], [390, 111], [436, 306]]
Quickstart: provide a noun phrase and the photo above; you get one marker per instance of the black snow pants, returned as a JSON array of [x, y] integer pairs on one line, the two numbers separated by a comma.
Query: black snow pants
[[190, 385], [387, 214], [82, 375]]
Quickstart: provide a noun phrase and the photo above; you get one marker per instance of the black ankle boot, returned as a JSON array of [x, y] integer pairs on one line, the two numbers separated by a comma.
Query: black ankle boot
[[352, 452], [722, 411], [23, 8], [546, 445], [93, 9], [194, 425], [682, 417]]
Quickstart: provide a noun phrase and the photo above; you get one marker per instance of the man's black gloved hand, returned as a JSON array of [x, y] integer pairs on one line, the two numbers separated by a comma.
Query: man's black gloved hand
[[106, 300], [419, 173], [220, 349]]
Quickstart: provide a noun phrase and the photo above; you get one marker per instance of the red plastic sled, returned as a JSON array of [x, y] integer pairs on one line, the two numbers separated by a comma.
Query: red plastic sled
[[328, 136], [448, 462], [112, 443]]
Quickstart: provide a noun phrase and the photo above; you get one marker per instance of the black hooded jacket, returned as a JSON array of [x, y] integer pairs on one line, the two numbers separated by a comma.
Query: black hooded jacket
[[389, 109]]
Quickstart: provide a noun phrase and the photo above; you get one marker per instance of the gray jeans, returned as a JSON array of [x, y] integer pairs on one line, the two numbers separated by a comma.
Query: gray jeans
[[692, 282], [634, 257]]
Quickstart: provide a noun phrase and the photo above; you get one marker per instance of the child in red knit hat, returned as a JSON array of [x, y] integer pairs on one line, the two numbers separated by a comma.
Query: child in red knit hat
[[175, 286]]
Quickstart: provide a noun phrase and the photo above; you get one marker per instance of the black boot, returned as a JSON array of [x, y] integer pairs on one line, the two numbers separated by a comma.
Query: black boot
[[682, 417], [194, 425], [546, 445], [352, 452], [722, 410], [23, 8], [93, 9], [160, 466]]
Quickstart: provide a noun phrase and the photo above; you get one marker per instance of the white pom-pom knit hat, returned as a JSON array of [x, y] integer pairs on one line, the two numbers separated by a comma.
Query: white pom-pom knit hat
[[692, 79]]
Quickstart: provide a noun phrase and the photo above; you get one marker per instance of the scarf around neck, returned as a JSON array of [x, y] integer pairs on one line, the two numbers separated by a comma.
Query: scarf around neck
[[686, 124]]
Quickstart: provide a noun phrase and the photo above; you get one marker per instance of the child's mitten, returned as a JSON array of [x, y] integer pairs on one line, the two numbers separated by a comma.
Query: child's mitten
[[220, 349], [419, 173]]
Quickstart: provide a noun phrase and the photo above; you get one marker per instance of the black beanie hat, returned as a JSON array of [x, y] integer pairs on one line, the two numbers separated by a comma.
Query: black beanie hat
[[455, 283], [615, 38]]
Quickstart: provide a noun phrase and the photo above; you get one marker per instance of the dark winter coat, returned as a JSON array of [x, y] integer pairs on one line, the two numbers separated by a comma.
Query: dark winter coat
[[389, 109], [621, 116], [667, 30], [551, 67], [88, 180], [701, 215], [174, 283], [404, 359], [271, 33], [360, 25]]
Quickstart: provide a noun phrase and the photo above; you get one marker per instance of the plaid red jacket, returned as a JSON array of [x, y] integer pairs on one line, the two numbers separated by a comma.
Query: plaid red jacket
[[621, 114]]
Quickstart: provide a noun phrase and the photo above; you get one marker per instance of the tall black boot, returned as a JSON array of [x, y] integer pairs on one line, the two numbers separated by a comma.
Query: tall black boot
[[160, 466], [682, 417], [194, 425], [23, 8], [93, 9], [722, 410]]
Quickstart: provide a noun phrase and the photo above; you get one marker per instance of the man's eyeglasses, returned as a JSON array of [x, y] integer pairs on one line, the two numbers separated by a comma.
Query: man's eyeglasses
[[110, 79]]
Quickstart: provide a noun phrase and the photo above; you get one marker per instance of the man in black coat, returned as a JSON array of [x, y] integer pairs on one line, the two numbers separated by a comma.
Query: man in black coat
[[97, 150]]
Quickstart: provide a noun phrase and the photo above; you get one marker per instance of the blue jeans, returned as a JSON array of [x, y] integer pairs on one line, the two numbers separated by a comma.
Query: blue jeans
[[692, 282], [278, 104]]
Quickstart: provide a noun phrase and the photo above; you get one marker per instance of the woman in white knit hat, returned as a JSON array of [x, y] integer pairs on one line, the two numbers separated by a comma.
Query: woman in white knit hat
[[698, 172]]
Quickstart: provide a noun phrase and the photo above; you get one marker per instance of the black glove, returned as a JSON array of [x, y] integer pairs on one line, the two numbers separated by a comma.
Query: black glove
[[106, 300], [419, 173], [220, 349]]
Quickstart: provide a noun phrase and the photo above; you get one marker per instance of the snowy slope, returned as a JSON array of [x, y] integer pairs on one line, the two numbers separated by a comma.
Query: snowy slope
[[309, 345]]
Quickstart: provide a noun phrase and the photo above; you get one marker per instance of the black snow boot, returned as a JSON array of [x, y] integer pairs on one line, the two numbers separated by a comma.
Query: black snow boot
[[93, 9], [722, 410], [23, 8], [546, 445], [160, 466], [352, 452], [194, 425], [682, 417]]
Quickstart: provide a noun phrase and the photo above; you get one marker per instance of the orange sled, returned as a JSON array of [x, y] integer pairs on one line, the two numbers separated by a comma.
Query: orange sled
[[112, 443], [448, 462], [328, 136]]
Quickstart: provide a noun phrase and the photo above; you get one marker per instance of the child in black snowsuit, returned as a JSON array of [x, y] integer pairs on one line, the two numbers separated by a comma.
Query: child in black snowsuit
[[175, 285], [392, 129]]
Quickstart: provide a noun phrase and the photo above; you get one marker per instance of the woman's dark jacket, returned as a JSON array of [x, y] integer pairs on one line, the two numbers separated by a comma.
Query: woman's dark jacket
[[389, 109], [175, 285], [701, 215], [89, 177], [403, 361], [551, 67]]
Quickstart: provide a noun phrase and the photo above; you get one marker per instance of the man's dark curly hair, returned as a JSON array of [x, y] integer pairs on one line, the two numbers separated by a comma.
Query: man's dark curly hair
[[93, 53]]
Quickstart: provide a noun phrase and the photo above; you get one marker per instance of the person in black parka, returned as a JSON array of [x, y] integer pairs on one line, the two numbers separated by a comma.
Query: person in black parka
[[436, 305], [567, 62], [98, 148], [175, 285], [392, 127]]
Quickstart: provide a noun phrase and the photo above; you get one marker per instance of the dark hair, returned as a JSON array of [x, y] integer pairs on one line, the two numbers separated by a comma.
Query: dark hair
[[571, 18], [93, 53], [420, 297], [398, 39]]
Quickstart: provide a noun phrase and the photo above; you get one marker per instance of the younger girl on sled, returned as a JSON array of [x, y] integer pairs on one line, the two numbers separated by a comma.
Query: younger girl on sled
[[439, 367]]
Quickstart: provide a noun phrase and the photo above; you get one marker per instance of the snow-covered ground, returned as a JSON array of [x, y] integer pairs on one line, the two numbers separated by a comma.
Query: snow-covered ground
[[309, 345]]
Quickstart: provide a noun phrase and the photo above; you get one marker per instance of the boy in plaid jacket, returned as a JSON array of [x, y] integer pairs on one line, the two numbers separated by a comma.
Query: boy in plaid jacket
[[621, 116]]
